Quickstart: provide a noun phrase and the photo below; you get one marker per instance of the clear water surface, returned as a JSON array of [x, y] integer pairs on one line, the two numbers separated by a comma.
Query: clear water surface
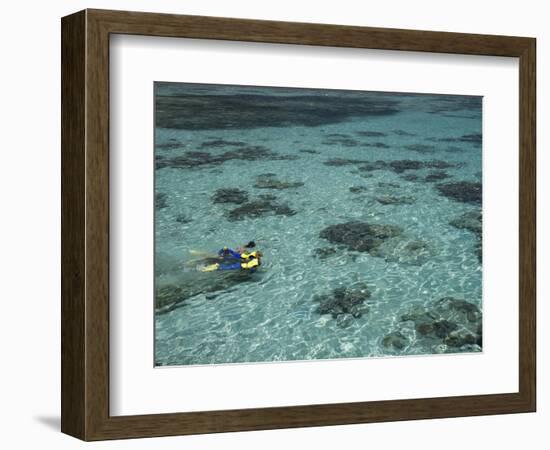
[[302, 161]]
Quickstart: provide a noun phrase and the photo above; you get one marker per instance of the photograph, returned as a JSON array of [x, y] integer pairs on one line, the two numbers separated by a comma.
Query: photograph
[[299, 224]]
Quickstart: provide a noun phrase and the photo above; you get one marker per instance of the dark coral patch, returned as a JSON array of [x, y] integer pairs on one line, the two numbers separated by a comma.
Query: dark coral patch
[[196, 159], [471, 221], [369, 166], [385, 184], [438, 164], [436, 175], [395, 340], [462, 191], [410, 177], [260, 208], [406, 164], [230, 195], [221, 143], [161, 200], [185, 107], [324, 252], [311, 152], [375, 144], [403, 133], [371, 133], [395, 200], [269, 181], [342, 141], [358, 189], [169, 145], [420, 148], [183, 219], [337, 162], [344, 301], [454, 323], [398, 166], [472, 138], [359, 236]]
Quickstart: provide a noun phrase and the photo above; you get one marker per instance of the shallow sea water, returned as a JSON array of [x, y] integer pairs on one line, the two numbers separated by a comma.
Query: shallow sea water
[[273, 314]]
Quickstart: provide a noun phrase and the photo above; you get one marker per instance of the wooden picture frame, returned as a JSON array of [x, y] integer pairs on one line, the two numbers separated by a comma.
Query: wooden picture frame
[[85, 224]]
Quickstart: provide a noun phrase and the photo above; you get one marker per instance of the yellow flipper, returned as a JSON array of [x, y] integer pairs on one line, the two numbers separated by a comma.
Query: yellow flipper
[[202, 254], [210, 268]]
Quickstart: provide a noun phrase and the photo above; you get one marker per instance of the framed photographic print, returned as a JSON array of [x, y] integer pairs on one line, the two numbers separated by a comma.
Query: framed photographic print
[[268, 224]]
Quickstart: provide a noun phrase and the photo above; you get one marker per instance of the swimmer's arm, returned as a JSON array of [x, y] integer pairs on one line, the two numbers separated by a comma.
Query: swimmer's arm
[[234, 253]]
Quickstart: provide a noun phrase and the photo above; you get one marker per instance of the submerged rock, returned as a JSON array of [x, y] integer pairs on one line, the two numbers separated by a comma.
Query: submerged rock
[[462, 191], [267, 197], [395, 340], [405, 251], [173, 144], [438, 164], [260, 208], [442, 328], [168, 295], [460, 338], [347, 301], [174, 295], [384, 184], [371, 133], [369, 166], [337, 135], [395, 200], [471, 221], [230, 195], [341, 141], [198, 159], [473, 138], [344, 320], [311, 152], [466, 311], [397, 166], [161, 200], [410, 177], [359, 236], [183, 219], [400, 166], [217, 143], [358, 189], [269, 181], [337, 162], [479, 250], [455, 323], [406, 164], [436, 175], [403, 133], [421, 148], [453, 149], [375, 144], [324, 252]]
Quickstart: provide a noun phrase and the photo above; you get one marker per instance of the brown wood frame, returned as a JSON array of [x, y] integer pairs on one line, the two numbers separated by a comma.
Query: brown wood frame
[[85, 224]]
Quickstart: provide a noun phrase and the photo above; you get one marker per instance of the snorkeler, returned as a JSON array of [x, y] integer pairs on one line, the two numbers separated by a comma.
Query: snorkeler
[[225, 252], [237, 260]]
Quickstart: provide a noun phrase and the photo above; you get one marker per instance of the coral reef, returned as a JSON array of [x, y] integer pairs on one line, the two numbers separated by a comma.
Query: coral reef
[[230, 195], [360, 236], [462, 191]]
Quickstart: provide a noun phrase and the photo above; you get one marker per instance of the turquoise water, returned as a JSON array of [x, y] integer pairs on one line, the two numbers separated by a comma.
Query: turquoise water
[[366, 207]]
